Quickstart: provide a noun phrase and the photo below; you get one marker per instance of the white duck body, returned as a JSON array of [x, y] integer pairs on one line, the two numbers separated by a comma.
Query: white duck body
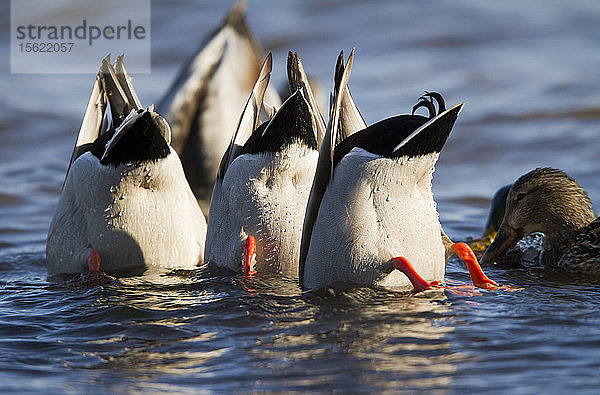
[[374, 209], [268, 204], [138, 214], [371, 199], [125, 194], [264, 180]]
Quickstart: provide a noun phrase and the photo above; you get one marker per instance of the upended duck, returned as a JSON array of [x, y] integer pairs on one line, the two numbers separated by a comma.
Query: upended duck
[[264, 180], [205, 100], [547, 200], [371, 208], [125, 201]]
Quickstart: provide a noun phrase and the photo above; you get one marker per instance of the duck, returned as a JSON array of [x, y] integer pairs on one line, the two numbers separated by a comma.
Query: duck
[[371, 201], [496, 213], [549, 201], [319, 94], [263, 182], [204, 101], [526, 253], [125, 202], [494, 219]]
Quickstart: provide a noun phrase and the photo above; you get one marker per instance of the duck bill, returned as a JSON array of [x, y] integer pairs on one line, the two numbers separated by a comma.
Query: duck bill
[[506, 238]]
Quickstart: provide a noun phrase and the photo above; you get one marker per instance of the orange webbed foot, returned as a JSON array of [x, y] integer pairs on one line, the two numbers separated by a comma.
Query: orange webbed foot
[[478, 277], [94, 262], [94, 276], [249, 257], [408, 269]]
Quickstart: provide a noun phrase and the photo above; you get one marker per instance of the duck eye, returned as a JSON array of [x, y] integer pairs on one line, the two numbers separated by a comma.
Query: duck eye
[[520, 196]]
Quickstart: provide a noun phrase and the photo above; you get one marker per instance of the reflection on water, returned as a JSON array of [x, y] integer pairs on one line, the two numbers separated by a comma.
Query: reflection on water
[[216, 332], [182, 330], [528, 73], [373, 334]]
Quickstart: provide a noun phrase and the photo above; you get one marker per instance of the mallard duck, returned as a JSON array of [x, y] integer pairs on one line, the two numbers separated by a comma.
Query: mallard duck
[[495, 216], [205, 100], [526, 252], [547, 200], [264, 180], [125, 201], [371, 200]]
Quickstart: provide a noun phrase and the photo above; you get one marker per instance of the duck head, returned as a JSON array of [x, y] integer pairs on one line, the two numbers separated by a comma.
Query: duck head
[[544, 200]]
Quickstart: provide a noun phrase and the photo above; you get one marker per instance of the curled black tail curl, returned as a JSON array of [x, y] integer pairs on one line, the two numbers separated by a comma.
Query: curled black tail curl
[[427, 101]]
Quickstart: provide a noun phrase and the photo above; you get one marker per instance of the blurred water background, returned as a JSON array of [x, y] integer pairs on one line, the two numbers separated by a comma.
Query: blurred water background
[[529, 73]]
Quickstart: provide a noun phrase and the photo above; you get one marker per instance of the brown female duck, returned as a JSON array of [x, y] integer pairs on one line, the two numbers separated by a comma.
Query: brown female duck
[[547, 200]]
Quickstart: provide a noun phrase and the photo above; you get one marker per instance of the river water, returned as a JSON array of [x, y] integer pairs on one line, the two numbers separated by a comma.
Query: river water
[[529, 73]]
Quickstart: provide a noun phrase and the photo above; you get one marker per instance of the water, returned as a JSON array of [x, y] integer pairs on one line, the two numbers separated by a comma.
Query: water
[[530, 76]]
